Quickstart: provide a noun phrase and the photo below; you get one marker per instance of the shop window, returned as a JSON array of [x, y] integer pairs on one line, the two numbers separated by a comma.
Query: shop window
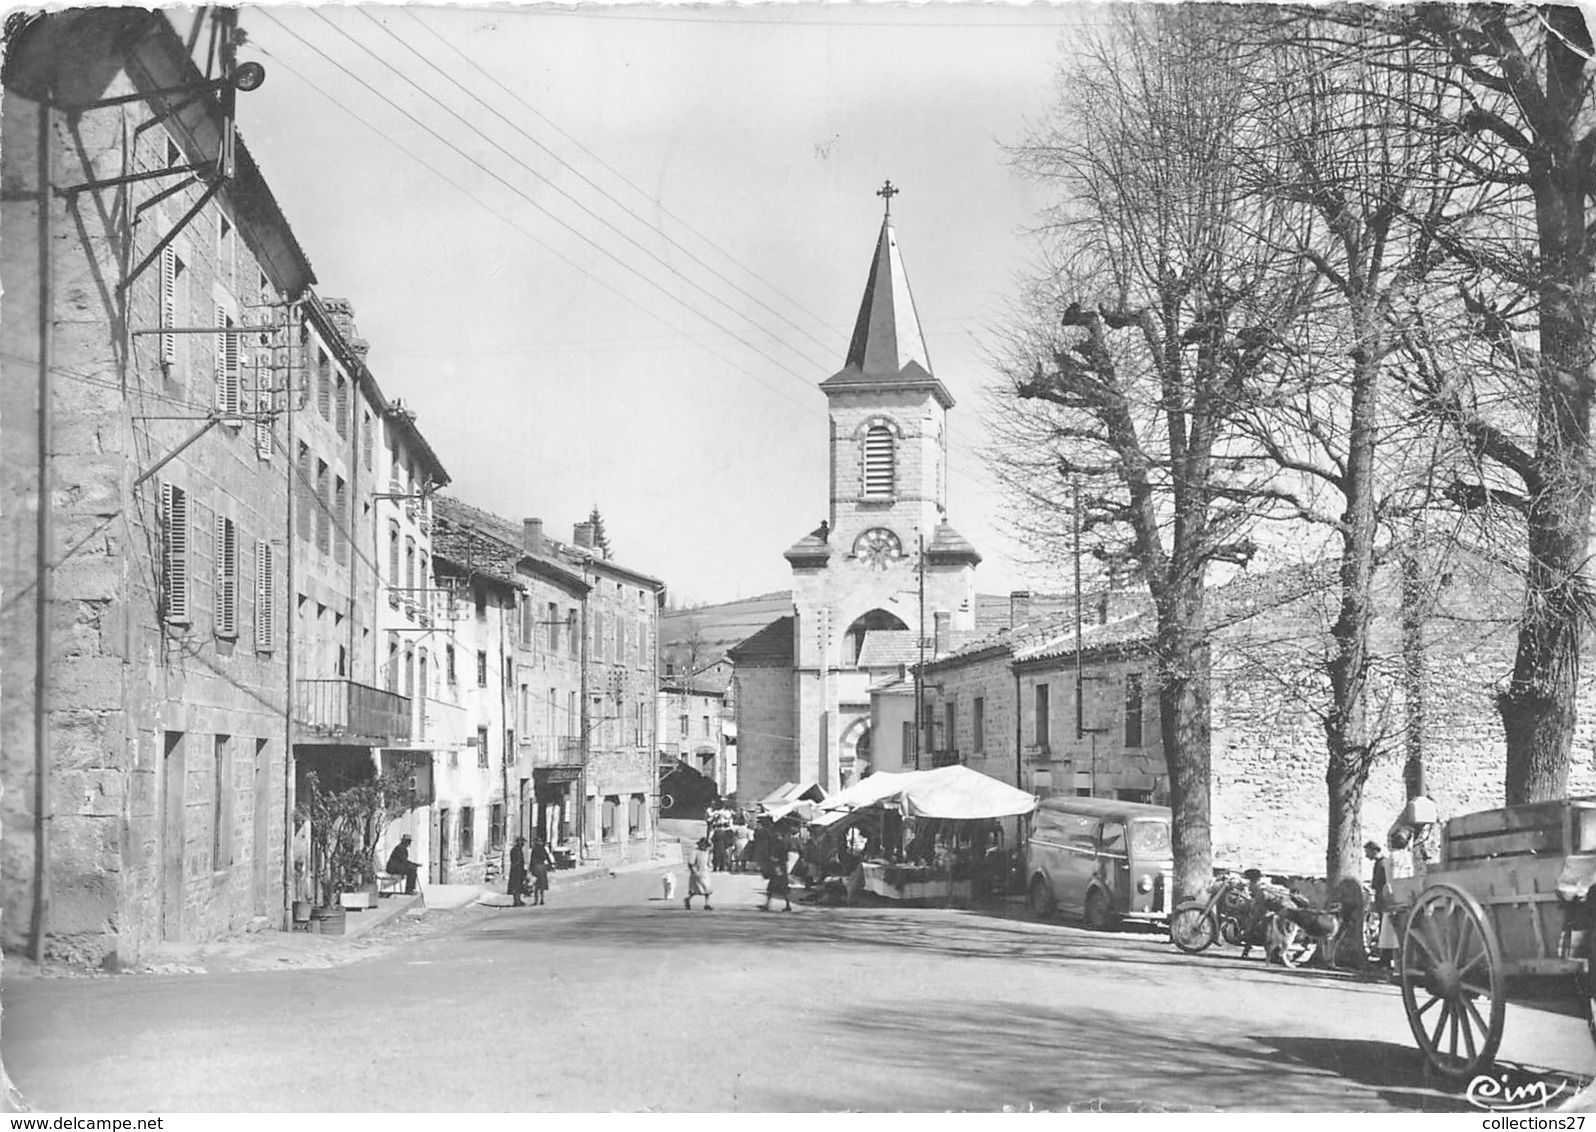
[[634, 816], [482, 747], [611, 811], [496, 827], [467, 828]]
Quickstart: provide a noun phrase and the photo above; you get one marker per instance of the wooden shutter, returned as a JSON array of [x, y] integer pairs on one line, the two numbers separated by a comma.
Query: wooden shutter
[[168, 305], [263, 425], [174, 528], [226, 577], [878, 469], [265, 598], [227, 382]]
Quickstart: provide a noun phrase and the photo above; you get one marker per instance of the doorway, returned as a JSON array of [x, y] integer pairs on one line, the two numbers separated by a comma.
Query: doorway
[[172, 783], [441, 841]]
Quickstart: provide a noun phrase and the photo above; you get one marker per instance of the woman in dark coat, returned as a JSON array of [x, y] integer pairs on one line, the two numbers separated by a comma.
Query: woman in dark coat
[[542, 862], [518, 870]]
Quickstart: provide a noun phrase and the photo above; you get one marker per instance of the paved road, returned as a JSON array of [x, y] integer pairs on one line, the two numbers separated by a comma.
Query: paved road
[[609, 998]]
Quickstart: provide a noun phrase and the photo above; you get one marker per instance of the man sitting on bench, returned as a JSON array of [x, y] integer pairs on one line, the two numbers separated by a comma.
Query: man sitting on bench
[[400, 864]]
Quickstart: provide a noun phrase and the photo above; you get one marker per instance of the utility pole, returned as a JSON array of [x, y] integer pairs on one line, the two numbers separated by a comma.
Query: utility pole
[[1080, 678], [919, 678]]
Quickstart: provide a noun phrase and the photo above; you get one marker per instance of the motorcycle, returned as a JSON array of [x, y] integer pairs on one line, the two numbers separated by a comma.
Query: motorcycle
[[1237, 912]]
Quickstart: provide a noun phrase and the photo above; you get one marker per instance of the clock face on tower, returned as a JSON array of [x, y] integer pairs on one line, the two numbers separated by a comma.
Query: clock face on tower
[[878, 548]]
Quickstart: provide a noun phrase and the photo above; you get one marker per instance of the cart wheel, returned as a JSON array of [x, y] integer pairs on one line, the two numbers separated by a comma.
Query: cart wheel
[[1041, 898], [1453, 985], [1590, 966], [1191, 928]]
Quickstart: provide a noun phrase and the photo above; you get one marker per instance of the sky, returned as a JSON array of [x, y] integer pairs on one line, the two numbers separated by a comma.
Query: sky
[[607, 254]]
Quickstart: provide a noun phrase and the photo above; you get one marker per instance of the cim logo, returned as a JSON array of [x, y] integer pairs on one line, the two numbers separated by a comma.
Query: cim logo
[[1505, 1094]]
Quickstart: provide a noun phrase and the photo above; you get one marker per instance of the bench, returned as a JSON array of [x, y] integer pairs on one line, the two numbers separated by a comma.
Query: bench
[[389, 884]]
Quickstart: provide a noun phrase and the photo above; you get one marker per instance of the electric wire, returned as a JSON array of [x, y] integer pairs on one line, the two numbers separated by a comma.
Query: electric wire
[[451, 182], [654, 200], [513, 188]]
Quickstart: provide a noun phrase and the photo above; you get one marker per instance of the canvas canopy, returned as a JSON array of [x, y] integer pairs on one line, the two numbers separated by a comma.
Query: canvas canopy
[[954, 793]]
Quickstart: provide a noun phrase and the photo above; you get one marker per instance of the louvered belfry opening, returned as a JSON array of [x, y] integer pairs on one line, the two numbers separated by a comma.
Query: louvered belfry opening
[[878, 461]]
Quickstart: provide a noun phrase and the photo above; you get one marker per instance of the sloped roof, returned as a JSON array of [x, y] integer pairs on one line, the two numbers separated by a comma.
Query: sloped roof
[[482, 541], [888, 648], [948, 545], [770, 647], [813, 548], [887, 347]]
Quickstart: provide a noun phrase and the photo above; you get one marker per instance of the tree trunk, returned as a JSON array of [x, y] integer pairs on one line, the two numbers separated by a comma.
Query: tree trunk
[[1183, 695], [1347, 726], [1538, 709]]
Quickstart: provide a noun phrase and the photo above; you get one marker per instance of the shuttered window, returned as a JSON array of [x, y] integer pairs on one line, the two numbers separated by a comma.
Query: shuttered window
[[365, 439], [263, 424], [174, 558], [226, 577], [340, 513], [168, 305], [265, 597], [323, 386], [305, 492], [227, 382], [322, 506], [393, 558], [341, 407], [878, 461]]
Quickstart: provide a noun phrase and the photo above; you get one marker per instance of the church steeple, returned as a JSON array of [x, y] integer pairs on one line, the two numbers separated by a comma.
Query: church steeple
[[887, 348]]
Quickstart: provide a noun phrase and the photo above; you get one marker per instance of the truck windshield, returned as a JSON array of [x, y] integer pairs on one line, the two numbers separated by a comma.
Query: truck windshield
[[1150, 838]]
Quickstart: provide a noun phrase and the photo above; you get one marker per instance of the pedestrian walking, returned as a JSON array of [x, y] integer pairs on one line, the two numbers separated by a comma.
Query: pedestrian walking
[[541, 863], [1398, 864], [518, 871], [777, 879], [699, 881], [1380, 882]]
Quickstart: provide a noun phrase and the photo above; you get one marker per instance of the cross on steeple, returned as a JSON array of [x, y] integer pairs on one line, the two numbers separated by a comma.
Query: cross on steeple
[[887, 192]]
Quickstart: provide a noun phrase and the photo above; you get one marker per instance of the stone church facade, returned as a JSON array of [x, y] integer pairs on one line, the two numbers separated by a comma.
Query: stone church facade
[[881, 569]]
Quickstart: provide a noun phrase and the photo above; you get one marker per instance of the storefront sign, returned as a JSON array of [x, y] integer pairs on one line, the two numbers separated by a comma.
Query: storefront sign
[[554, 775]]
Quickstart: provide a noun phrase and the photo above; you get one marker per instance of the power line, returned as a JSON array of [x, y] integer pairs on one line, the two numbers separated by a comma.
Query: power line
[[568, 227], [487, 207], [641, 192]]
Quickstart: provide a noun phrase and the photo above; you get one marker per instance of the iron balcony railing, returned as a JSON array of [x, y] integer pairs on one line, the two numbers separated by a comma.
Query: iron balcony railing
[[344, 711]]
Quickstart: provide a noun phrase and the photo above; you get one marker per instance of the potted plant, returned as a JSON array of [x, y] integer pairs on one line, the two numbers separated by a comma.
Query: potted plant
[[345, 828]]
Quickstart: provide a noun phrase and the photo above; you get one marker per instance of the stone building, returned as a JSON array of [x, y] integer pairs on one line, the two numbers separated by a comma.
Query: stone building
[[692, 729], [576, 683], [884, 557], [1038, 707], [146, 273], [363, 641]]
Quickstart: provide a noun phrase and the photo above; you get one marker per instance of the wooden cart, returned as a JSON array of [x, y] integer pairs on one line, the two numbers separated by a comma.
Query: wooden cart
[[1508, 913]]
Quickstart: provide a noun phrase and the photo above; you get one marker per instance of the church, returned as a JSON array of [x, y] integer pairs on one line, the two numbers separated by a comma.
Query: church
[[884, 580]]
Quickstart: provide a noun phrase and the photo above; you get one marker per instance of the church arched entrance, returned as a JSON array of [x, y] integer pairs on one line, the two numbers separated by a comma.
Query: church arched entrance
[[853, 641], [853, 756]]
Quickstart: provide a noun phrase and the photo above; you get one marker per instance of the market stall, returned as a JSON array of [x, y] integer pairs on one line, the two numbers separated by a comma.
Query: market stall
[[922, 835]]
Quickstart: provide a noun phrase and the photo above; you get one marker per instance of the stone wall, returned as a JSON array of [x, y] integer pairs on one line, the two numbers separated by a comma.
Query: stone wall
[[168, 772], [766, 726]]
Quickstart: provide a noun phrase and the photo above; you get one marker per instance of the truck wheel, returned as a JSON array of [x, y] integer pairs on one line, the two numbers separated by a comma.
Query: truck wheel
[[1098, 916], [1041, 898]]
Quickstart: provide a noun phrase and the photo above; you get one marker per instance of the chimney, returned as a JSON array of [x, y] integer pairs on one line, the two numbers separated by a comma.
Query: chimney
[[532, 536], [582, 535], [1019, 608], [944, 624]]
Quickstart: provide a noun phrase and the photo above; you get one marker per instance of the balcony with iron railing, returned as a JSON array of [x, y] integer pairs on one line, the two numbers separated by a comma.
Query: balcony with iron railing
[[344, 712]]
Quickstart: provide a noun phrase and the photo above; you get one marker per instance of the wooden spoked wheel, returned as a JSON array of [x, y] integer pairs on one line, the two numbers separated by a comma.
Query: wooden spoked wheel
[[1453, 986]]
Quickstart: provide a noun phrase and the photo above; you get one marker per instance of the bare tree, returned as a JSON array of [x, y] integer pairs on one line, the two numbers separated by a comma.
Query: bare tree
[[1345, 153], [1154, 316], [1510, 366]]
